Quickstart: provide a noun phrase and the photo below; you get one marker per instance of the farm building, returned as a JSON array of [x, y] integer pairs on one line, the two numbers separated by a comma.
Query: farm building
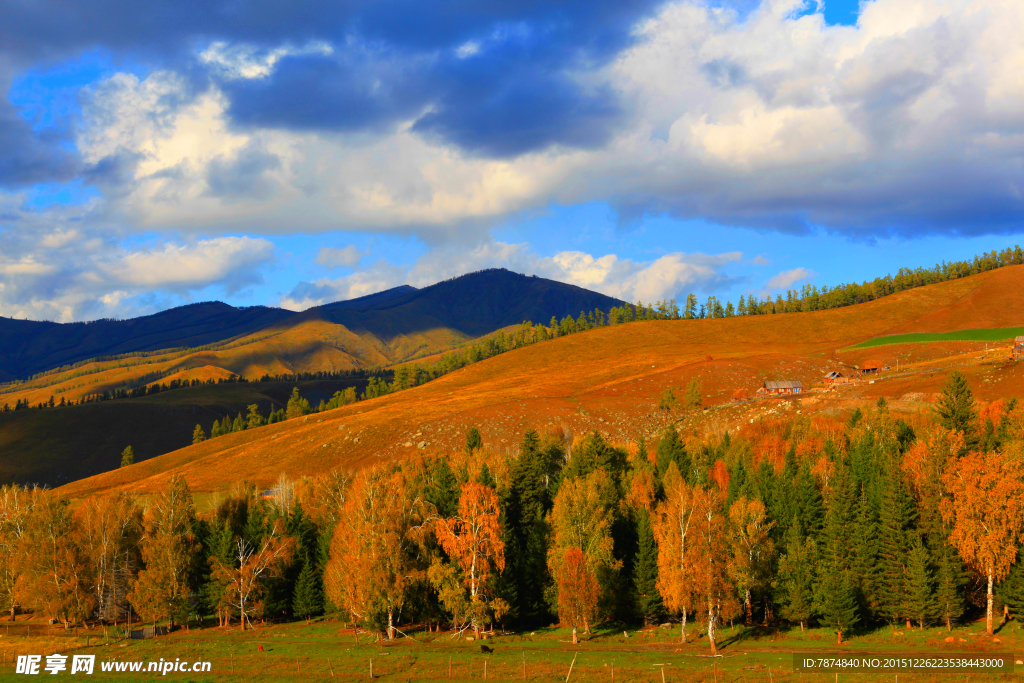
[[870, 367], [786, 386], [833, 378], [1018, 348]]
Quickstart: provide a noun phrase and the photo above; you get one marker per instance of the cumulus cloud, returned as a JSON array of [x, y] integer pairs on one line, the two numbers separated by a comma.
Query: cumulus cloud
[[333, 257], [79, 273], [663, 278], [908, 123], [785, 280]]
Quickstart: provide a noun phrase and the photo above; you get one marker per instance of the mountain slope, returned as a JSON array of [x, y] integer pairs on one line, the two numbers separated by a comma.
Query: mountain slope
[[608, 379]]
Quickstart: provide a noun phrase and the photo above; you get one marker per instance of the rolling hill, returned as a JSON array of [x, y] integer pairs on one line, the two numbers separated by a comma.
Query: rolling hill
[[610, 378], [59, 445]]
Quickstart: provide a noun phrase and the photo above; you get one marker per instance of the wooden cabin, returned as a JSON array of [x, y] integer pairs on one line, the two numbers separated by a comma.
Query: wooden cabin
[[871, 367], [833, 378], [782, 387]]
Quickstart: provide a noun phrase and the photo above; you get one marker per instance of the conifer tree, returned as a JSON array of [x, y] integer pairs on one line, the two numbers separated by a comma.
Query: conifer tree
[[839, 604], [198, 435], [473, 440], [694, 398], [864, 543], [796, 577], [298, 406], [949, 583], [127, 457], [525, 503], [671, 450], [956, 410], [216, 429], [645, 570], [920, 599], [309, 598], [896, 537]]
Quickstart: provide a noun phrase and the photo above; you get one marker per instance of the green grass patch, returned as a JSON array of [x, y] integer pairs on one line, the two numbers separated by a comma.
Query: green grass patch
[[978, 335]]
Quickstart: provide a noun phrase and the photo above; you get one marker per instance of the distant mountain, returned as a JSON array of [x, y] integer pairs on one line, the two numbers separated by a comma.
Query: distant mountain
[[472, 304], [391, 325], [28, 347]]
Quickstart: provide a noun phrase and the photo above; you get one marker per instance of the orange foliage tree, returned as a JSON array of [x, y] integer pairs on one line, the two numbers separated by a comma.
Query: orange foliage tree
[[752, 547], [672, 524], [577, 591], [55, 575], [162, 590], [110, 531], [371, 565], [16, 504], [986, 509], [473, 539], [709, 565]]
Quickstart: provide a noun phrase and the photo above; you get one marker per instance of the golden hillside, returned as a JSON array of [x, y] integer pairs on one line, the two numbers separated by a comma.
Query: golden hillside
[[607, 379]]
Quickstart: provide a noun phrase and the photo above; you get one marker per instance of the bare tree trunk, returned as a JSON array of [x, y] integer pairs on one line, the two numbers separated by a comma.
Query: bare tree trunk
[[988, 609], [711, 627], [746, 606], [391, 625], [683, 629], [575, 638], [839, 637]]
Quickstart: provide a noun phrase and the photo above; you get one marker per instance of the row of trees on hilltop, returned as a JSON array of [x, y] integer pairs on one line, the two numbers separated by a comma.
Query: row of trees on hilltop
[[848, 525]]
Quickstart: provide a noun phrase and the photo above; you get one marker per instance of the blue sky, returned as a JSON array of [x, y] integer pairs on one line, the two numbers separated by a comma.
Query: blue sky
[[152, 156]]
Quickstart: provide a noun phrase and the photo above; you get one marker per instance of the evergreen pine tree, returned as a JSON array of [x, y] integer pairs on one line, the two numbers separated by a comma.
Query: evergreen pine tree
[[216, 430], [796, 577], [309, 600], [839, 604], [525, 503], [950, 579], [839, 609], [239, 424], [865, 552], [920, 598], [198, 435], [1011, 590], [442, 488], [473, 440], [896, 534], [485, 477], [127, 457], [645, 571], [809, 506], [670, 449], [956, 410]]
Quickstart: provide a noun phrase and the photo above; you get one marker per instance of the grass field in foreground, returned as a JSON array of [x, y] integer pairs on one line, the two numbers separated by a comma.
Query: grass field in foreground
[[982, 335], [326, 651]]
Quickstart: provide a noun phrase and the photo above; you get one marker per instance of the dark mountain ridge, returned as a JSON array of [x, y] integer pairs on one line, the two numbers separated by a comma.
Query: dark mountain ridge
[[473, 304]]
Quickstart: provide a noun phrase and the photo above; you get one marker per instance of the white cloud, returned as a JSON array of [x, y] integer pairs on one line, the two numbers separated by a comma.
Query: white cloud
[[191, 266], [625, 279], [248, 61], [785, 280], [89, 271], [333, 257], [773, 120]]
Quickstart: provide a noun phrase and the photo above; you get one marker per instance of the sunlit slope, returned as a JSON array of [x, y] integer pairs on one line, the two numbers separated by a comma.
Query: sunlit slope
[[608, 378], [311, 345]]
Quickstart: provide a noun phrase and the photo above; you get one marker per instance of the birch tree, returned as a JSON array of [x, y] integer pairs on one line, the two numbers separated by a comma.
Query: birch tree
[[110, 529], [16, 504], [255, 564], [673, 524], [986, 509], [473, 539]]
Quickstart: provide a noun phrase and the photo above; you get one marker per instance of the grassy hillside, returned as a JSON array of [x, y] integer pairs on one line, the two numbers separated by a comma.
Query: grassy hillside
[[608, 379], [983, 335]]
